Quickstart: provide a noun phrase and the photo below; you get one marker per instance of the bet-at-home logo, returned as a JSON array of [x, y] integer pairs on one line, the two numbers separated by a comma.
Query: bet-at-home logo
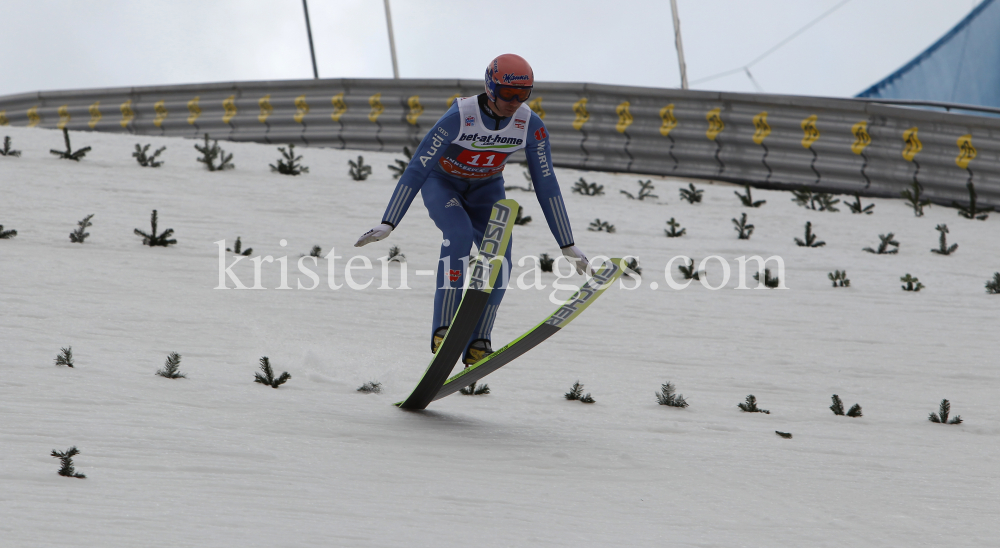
[[491, 141]]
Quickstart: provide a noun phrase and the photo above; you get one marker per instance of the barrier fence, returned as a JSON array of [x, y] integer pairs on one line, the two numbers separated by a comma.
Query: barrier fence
[[843, 146]]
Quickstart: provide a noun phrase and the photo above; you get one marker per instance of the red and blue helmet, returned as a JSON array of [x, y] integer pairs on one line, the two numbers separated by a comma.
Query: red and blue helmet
[[509, 77]]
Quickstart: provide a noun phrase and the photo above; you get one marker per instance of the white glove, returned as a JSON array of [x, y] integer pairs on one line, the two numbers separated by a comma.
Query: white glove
[[578, 259], [380, 232]]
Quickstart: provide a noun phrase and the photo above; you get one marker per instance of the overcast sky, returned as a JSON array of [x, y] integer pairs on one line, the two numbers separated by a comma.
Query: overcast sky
[[71, 44]]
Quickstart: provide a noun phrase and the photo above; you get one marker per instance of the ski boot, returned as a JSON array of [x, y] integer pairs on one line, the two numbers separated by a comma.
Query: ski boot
[[478, 349], [438, 338]]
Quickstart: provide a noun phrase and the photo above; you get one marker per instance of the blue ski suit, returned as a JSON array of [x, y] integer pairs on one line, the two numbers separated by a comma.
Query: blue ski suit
[[459, 194]]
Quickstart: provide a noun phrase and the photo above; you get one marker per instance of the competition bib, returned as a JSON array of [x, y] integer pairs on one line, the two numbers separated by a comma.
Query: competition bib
[[477, 152]]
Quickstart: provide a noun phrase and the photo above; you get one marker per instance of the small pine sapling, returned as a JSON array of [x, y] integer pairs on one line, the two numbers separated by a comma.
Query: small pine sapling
[[914, 195], [973, 211], [586, 398], [268, 376], [743, 228], [810, 240], [316, 251], [854, 411], [371, 387], [646, 189], [545, 262], [838, 405], [396, 254], [993, 286], [786, 435], [769, 282], [588, 189], [78, 235], [668, 396], [399, 167], [238, 248], [689, 272], [632, 267], [839, 278], [856, 206], [6, 150], [7, 234], [171, 367], [748, 199], [942, 415], [673, 232], [66, 459], [473, 390], [750, 406], [601, 226], [521, 219], [144, 160], [944, 248], [65, 357], [576, 392], [213, 152], [912, 284], [289, 165], [817, 201], [359, 171], [69, 154], [883, 247], [152, 239], [691, 194]]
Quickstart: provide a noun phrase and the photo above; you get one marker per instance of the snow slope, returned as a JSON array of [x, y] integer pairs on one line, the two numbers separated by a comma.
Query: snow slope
[[217, 460]]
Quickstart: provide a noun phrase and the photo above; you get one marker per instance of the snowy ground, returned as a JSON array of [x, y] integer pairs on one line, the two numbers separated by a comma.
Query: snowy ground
[[217, 460]]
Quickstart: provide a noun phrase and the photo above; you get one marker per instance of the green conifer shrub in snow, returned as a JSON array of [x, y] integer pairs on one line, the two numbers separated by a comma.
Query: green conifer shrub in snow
[[473, 390], [212, 152], [883, 246], [399, 167], [171, 368], [268, 375], [914, 195], [856, 206], [588, 189], [601, 226], [79, 235], [7, 150], [673, 232], [65, 357], [545, 262], [810, 240], [668, 396], [750, 406], [153, 239], [7, 234], [359, 171], [747, 200], [645, 191], [143, 159], [972, 211], [839, 278], [993, 286], [289, 165], [238, 248], [769, 281], [66, 460], [743, 228], [912, 284], [942, 415], [943, 247], [371, 387], [68, 154], [691, 194]]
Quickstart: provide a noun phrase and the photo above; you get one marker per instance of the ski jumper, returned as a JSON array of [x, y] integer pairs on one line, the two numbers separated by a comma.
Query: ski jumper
[[458, 168]]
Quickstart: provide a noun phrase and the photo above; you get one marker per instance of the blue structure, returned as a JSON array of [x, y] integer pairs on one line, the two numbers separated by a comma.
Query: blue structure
[[962, 67]]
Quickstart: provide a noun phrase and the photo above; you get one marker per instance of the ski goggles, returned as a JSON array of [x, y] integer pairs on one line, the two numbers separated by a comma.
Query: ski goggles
[[510, 93]]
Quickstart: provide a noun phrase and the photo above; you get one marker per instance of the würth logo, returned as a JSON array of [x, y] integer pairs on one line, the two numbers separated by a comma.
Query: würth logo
[[454, 275]]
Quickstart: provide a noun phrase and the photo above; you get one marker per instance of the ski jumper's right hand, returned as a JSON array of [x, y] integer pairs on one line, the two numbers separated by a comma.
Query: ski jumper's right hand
[[380, 232]]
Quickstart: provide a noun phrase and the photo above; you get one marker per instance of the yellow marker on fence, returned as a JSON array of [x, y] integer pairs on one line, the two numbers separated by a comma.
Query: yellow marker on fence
[[810, 131], [415, 109], [160, 107], [194, 109], [339, 107], [536, 107], [452, 99], [63, 116], [761, 128], [966, 152], [127, 113], [861, 137], [376, 103], [715, 123], [265, 108], [913, 146], [582, 116], [33, 118], [669, 120], [229, 104], [301, 108], [3, 118], [95, 114], [624, 117]]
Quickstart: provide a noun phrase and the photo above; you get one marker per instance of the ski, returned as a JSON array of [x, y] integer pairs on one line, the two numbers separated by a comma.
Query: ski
[[567, 312], [482, 277]]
